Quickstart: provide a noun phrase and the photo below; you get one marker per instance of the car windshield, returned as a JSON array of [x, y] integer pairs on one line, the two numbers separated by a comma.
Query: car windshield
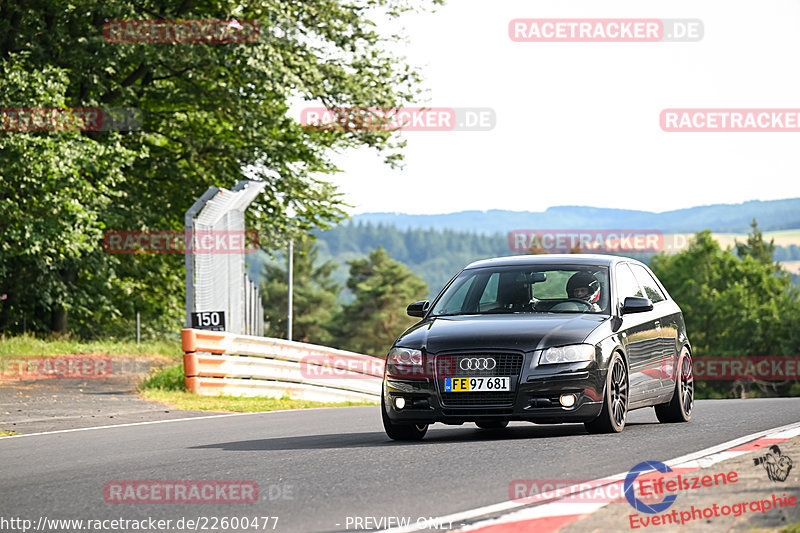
[[528, 289]]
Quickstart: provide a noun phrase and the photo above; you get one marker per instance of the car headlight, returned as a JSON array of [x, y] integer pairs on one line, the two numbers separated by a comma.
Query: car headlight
[[572, 353], [405, 363], [404, 356]]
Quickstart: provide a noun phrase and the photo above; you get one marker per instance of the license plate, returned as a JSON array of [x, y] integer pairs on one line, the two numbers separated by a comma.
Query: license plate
[[488, 384]]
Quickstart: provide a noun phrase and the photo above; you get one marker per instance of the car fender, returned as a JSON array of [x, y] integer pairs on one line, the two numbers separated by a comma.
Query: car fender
[[608, 346]]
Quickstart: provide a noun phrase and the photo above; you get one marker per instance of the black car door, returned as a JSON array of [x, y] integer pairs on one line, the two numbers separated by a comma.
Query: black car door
[[641, 339], [666, 325]]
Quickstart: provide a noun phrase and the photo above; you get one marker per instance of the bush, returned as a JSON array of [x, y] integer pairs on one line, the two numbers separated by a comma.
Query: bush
[[168, 378]]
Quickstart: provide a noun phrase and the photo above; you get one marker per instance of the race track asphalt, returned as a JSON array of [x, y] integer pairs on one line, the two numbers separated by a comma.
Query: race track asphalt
[[316, 468]]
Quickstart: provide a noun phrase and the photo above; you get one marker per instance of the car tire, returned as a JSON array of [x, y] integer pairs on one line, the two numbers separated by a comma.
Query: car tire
[[401, 431], [680, 408], [492, 424], [615, 400]]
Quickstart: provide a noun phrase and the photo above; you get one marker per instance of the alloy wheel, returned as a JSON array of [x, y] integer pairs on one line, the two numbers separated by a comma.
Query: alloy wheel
[[619, 392], [687, 385]]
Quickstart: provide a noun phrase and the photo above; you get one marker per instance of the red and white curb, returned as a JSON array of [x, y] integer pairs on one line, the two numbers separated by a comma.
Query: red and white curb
[[557, 513]]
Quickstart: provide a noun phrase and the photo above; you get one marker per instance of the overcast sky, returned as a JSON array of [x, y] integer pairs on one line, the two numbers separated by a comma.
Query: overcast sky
[[578, 123]]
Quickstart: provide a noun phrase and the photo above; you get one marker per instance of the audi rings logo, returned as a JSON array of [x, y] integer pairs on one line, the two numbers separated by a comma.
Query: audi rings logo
[[477, 363]]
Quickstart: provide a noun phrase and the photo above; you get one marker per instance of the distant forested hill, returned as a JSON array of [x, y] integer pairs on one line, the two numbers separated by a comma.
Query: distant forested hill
[[436, 255], [433, 254], [724, 218], [437, 246]]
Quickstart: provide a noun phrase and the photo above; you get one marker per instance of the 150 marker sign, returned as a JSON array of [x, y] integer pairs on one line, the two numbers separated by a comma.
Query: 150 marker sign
[[211, 320]]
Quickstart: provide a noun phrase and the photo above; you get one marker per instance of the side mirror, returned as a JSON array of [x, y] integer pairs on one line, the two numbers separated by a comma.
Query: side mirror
[[636, 304], [418, 309], [538, 277]]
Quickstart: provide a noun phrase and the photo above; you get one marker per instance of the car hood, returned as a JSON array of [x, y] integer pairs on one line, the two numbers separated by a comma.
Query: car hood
[[525, 332]]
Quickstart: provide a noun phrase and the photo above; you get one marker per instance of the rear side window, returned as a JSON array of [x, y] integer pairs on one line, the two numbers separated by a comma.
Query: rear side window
[[626, 284], [489, 296], [651, 288]]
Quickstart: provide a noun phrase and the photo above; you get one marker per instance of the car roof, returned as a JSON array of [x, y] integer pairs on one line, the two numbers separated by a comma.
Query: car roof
[[552, 259]]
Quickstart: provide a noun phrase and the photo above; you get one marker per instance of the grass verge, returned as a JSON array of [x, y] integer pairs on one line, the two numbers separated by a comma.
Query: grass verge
[[170, 378], [4, 433], [168, 386], [31, 346]]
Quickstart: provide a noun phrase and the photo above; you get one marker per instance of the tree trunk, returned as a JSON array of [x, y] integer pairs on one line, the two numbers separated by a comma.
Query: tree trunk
[[58, 321], [58, 317]]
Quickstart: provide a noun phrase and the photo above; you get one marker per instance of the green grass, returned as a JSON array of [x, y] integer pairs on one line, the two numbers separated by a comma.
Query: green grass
[[31, 346], [792, 528], [166, 379], [193, 402], [4, 433], [167, 386]]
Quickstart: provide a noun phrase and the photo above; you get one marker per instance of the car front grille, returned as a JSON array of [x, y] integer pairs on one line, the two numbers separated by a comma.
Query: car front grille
[[506, 365]]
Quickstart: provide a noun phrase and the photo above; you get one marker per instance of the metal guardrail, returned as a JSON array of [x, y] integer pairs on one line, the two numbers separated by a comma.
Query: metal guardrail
[[221, 363]]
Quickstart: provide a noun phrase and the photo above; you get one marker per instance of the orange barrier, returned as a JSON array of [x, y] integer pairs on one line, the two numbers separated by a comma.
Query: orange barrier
[[244, 365]]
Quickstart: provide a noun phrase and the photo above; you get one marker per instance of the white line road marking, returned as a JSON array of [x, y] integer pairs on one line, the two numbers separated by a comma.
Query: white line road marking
[[714, 453], [226, 415]]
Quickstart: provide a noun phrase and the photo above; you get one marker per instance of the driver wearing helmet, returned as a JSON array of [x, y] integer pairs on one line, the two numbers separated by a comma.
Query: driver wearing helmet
[[584, 286]]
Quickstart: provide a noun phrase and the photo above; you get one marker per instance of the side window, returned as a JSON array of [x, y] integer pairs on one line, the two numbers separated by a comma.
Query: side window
[[489, 296], [651, 288], [626, 284]]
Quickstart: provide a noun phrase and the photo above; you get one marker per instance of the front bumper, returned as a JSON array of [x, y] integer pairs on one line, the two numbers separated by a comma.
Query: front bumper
[[534, 398]]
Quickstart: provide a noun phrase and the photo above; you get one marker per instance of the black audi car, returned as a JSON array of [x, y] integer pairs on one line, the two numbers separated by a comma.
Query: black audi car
[[545, 339]]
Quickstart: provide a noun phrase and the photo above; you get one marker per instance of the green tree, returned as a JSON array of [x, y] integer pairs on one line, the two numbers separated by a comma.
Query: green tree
[[756, 247], [211, 114], [383, 288], [732, 306], [54, 189], [314, 297]]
